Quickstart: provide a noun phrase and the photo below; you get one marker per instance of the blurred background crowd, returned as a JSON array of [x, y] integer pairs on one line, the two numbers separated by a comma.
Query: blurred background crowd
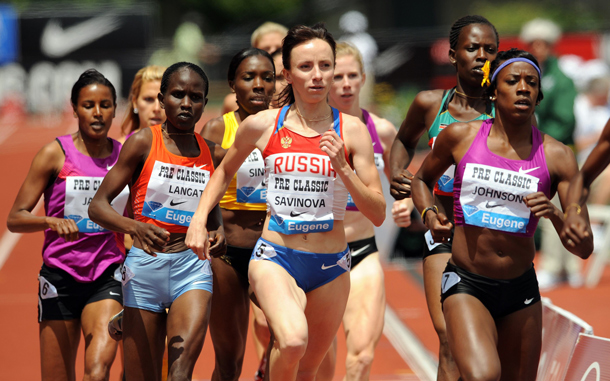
[[46, 44]]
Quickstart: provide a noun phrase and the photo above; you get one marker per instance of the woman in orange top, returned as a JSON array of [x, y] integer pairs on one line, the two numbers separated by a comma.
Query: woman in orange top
[[167, 168]]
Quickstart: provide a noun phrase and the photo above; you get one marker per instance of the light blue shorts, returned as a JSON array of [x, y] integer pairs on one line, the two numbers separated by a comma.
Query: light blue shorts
[[153, 283], [309, 270]]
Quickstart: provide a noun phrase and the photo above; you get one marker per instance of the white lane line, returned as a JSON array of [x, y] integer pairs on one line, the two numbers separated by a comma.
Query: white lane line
[[9, 239], [409, 347], [6, 131]]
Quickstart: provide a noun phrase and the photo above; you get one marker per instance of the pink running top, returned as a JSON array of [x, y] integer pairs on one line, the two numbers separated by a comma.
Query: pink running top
[[489, 190], [69, 197]]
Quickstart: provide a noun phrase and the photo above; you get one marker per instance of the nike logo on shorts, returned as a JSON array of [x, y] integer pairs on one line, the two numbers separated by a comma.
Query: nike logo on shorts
[[324, 267], [200, 281], [528, 301], [364, 248], [115, 293]]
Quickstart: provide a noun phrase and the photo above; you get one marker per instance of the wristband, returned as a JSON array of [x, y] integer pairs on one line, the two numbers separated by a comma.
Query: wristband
[[423, 214], [572, 205]]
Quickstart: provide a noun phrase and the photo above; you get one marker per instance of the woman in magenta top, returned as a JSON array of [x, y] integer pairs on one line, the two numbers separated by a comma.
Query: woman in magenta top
[[78, 290], [507, 171]]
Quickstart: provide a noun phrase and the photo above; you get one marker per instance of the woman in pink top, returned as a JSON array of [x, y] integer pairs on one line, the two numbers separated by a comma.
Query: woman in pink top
[[78, 290], [507, 170]]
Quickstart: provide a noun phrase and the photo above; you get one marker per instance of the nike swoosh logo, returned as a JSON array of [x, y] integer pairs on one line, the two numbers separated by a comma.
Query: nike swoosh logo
[[199, 282], [355, 253], [296, 214], [109, 167], [324, 267], [528, 301], [200, 167], [521, 170], [172, 203], [489, 206], [115, 293], [58, 42]]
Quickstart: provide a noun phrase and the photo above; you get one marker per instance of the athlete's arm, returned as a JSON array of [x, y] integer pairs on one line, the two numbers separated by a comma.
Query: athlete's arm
[[250, 135], [434, 165], [564, 164], [214, 130], [364, 184], [133, 155], [46, 165], [403, 147]]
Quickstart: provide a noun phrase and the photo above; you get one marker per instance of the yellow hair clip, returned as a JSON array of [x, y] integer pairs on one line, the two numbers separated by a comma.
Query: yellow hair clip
[[485, 69]]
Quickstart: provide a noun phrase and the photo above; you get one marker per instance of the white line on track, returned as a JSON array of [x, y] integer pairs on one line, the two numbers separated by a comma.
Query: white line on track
[[6, 131], [409, 347], [9, 239]]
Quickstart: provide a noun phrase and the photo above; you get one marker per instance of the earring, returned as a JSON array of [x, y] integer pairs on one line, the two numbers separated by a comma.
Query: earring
[[492, 98], [135, 110], [75, 116]]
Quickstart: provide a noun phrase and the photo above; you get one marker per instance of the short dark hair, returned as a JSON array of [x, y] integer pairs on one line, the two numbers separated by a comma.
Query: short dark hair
[[91, 77], [179, 65], [242, 55], [504, 56], [298, 35], [456, 28]]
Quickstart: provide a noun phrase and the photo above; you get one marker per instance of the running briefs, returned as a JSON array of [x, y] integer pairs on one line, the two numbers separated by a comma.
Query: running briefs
[[309, 270], [361, 249], [501, 297], [61, 297], [239, 259], [154, 283]]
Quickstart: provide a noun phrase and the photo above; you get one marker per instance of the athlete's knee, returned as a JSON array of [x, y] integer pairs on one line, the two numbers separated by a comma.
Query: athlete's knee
[[97, 372], [229, 370], [482, 372], [292, 348], [360, 360]]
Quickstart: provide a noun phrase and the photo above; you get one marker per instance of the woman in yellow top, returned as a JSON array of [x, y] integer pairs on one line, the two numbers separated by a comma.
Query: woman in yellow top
[[252, 78]]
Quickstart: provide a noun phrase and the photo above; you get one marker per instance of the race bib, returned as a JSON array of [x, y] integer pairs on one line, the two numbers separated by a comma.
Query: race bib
[[300, 204], [47, 290], [445, 183], [79, 193], [250, 184], [430, 240], [173, 192], [126, 274], [449, 280], [494, 198]]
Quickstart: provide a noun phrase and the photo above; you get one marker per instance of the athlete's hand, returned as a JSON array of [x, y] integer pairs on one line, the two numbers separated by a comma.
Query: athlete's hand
[[218, 243], [400, 186], [574, 230], [541, 206], [197, 238], [332, 145], [65, 228], [439, 225], [401, 212], [152, 238]]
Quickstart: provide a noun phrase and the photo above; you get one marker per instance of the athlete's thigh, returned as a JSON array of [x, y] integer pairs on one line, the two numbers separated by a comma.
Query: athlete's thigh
[[58, 347], [281, 300], [230, 310], [100, 347], [363, 318], [324, 312], [520, 342], [472, 334], [187, 323], [434, 265], [143, 343]]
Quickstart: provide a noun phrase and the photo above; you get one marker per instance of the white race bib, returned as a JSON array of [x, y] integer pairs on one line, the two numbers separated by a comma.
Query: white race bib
[[493, 197], [250, 184], [79, 193], [173, 192]]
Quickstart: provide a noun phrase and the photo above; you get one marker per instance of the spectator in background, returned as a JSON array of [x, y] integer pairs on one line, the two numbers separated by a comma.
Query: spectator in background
[[186, 46], [267, 37], [555, 116], [354, 24]]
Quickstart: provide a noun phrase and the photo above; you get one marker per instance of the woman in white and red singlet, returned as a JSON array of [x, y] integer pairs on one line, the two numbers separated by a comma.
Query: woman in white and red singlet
[[299, 267]]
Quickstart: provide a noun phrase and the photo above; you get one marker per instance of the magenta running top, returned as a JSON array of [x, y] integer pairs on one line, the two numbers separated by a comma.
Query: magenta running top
[[69, 197], [489, 190], [377, 151]]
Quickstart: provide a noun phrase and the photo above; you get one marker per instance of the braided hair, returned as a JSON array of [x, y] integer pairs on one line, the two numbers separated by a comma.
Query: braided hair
[[457, 27]]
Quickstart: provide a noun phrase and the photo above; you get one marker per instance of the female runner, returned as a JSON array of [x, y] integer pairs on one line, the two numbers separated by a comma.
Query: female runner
[[143, 109], [473, 41], [298, 269], [363, 319], [167, 168], [575, 228], [252, 79], [78, 290], [507, 172]]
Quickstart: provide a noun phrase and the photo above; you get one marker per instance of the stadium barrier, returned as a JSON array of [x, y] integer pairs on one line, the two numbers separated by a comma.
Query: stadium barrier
[[590, 360]]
